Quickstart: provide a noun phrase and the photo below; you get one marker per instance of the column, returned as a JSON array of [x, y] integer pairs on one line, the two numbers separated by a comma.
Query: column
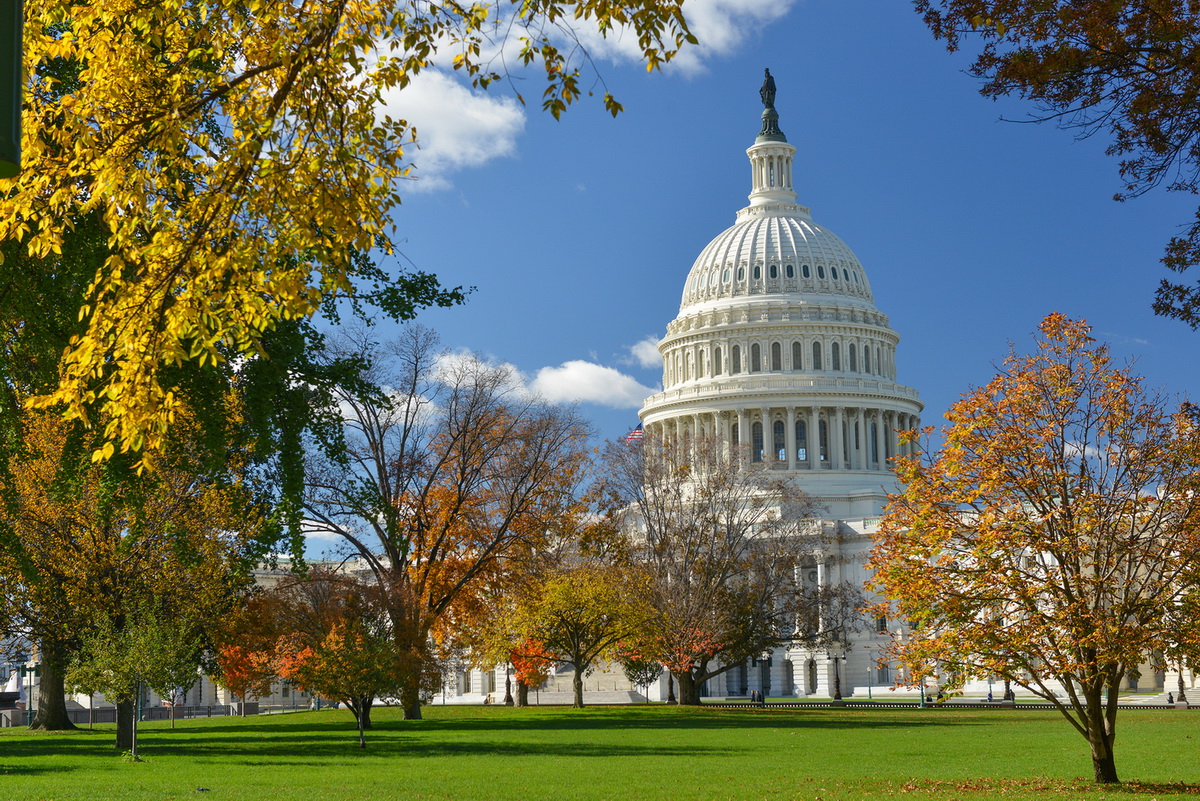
[[789, 437], [768, 445], [879, 444], [742, 432], [814, 439], [836, 441]]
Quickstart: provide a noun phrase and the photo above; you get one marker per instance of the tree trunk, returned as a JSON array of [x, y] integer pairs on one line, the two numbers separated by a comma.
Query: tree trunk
[[689, 692], [1103, 762], [577, 684], [671, 699], [1182, 696], [410, 698], [522, 694], [52, 695], [125, 724], [363, 716]]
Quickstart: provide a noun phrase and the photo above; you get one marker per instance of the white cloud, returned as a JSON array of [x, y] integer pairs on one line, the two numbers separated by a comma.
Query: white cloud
[[456, 126], [645, 353], [721, 26], [587, 382]]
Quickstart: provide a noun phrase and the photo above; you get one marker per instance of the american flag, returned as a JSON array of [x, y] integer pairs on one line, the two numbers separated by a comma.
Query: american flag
[[636, 434]]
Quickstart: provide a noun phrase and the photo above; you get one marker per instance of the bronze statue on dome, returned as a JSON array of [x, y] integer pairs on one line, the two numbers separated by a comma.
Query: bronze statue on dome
[[767, 92]]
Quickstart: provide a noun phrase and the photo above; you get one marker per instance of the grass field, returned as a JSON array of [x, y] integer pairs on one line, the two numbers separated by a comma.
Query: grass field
[[610, 753]]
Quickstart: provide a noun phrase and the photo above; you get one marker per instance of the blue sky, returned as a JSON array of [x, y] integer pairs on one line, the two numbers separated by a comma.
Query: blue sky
[[578, 234]]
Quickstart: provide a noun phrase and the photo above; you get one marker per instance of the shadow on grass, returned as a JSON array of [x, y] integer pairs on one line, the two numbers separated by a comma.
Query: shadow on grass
[[306, 737]]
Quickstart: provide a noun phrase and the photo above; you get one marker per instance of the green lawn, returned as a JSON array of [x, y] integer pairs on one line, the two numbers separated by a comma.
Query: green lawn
[[610, 753]]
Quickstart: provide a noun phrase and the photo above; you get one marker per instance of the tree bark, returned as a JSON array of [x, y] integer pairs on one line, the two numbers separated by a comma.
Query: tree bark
[[689, 691], [361, 707], [1181, 696], [577, 684], [1103, 762], [52, 695], [522, 694], [410, 699], [125, 723]]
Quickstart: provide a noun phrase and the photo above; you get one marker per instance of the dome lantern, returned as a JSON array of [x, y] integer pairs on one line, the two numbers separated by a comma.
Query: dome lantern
[[771, 155]]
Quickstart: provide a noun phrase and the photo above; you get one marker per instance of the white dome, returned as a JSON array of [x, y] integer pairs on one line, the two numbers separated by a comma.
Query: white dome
[[775, 250], [778, 348]]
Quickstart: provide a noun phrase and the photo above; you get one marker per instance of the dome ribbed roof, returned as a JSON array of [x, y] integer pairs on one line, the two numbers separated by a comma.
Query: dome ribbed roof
[[776, 250]]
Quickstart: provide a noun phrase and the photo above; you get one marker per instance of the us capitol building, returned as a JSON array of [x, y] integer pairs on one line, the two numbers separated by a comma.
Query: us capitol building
[[778, 345]]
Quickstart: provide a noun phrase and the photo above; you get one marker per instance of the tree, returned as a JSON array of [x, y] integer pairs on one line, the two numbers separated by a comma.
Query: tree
[[1050, 539], [580, 614], [442, 477], [531, 662], [641, 670], [354, 663], [245, 671], [162, 653], [720, 539], [1126, 69], [97, 552], [239, 154]]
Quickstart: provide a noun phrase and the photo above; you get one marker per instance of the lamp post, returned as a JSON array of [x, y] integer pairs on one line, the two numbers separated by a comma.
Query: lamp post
[[11, 57]]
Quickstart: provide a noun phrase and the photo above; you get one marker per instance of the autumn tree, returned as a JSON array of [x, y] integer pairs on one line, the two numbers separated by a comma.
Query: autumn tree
[[720, 539], [443, 475], [98, 553], [580, 614], [354, 663], [1052, 537], [238, 155], [1122, 70]]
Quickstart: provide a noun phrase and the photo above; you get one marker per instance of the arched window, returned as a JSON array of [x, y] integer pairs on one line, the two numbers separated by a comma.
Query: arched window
[[755, 358], [725, 275], [733, 432], [741, 273], [797, 356], [789, 271], [774, 271], [776, 356], [716, 361], [756, 452], [835, 357], [757, 272], [735, 358], [820, 271], [853, 359], [801, 441], [879, 368], [866, 360], [834, 270], [780, 448], [816, 359], [824, 429], [804, 271]]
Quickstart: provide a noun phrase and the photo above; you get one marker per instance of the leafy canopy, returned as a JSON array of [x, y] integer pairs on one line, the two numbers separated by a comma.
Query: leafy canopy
[[238, 152]]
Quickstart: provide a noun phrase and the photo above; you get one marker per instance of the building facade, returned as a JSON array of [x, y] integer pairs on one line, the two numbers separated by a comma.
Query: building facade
[[779, 346]]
